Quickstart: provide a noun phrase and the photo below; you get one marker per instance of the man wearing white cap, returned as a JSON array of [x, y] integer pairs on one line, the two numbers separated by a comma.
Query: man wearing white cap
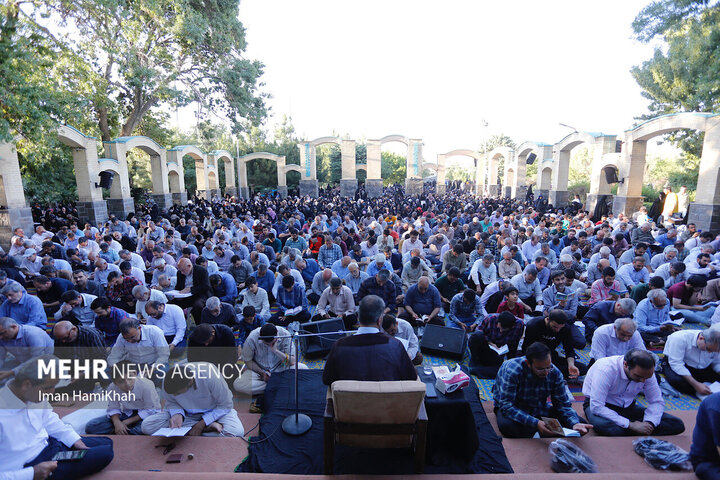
[[380, 262]]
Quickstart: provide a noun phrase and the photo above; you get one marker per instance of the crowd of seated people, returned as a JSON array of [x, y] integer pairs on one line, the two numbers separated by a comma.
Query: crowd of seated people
[[227, 281]]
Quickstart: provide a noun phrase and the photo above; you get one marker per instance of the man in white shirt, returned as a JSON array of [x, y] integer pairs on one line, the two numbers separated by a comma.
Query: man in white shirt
[[196, 396], [171, 320], [615, 339], [31, 433], [403, 331], [140, 344], [337, 301], [611, 387], [134, 399], [691, 359], [144, 294]]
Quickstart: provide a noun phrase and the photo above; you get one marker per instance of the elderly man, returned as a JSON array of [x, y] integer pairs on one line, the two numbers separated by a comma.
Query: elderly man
[[521, 391], [606, 312], [160, 267], [423, 305], [403, 331], [76, 308], [611, 388], [529, 290], [308, 268], [672, 273], [354, 278], [508, 267], [141, 345], [142, 295], [103, 269], [78, 343], [642, 234], [337, 301], [651, 316], [200, 401], [218, 312], [379, 262], [603, 254], [33, 433], [692, 359], [615, 339], [320, 282], [413, 270], [23, 342], [267, 350], [484, 272], [26, 309], [668, 255], [195, 281], [381, 286]]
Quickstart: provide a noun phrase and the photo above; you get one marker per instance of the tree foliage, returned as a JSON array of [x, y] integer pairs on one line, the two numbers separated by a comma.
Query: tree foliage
[[684, 73]]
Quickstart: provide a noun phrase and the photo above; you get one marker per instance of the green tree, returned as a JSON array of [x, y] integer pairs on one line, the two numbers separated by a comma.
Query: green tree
[[684, 73], [393, 168], [498, 140], [132, 57]]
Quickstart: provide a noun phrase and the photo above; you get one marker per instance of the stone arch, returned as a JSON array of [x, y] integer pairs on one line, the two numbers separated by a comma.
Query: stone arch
[[174, 181], [542, 152], [600, 143], [478, 163], [493, 157], [545, 173], [705, 211], [225, 158], [175, 162], [212, 180], [118, 150], [91, 205], [282, 170]]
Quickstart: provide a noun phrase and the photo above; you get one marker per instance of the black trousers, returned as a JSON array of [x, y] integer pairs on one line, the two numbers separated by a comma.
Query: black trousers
[[512, 429], [654, 337], [562, 364], [484, 361], [681, 385], [669, 425]]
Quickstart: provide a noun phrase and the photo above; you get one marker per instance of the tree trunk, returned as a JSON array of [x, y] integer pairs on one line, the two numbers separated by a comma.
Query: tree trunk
[[103, 124]]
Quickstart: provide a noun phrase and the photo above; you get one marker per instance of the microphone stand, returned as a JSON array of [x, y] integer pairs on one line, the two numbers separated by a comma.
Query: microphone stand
[[298, 423]]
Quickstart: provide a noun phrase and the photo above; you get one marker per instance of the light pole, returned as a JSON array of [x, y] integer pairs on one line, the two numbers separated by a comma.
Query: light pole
[[568, 126], [487, 163]]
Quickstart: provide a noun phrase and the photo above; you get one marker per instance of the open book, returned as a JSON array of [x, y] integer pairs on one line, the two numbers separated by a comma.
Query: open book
[[560, 296], [676, 318], [177, 294], [500, 350], [714, 388], [172, 432], [293, 311], [553, 424], [406, 343]]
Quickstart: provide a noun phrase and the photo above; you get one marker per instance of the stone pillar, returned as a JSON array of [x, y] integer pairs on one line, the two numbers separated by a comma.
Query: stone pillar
[[374, 187], [414, 161], [180, 198], [91, 206], [521, 192], [348, 187], [413, 187], [120, 202], [121, 207], [14, 211], [704, 212], [283, 191], [440, 186], [307, 162], [309, 187], [244, 191], [164, 200], [94, 212], [631, 170], [545, 193], [559, 198]]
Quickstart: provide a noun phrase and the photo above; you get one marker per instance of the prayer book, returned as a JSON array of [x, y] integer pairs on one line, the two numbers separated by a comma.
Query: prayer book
[[714, 388], [619, 293], [177, 294], [500, 350], [559, 296], [172, 432], [293, 311], [676, 318], [554, 426]]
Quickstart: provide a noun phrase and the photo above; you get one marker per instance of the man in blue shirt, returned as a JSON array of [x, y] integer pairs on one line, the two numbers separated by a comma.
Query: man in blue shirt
[[307, 268], [650, 315], [26, 309], [520, 394], [423, 300], [291, 297], [265, 279], [606, 312], [23, 342], [465, 310], [224, 287], [329, 253], [705, 449]]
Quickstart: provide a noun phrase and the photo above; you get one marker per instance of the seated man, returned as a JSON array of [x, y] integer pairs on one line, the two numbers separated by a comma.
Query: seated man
[[601, 289], [201, 401], [337, 302], [224, 287], [686, 298], [512, 303], [605, 312], [216, 311], [705, 449], [423, 305], [142, 345], [552, 331], [33, 433], [171, 320], [611, 388], [449, 285], [354, 279], [380, 285], [256, 297], [78, 342], [267, 350], [119, 291], [528, 286], [496, 330], [650, 316], [370, 354], [691, 359], [249, 322], [144, 294], [634, 274], [107, 319], [75, 308], [520, 393], [26, 309], [465, 310], [671, 273], [292, 304], [23, 343], [320, 282], [558, 296], [615, 339], [215, 344], [49, 290], [493, 295], [401, 329], [125, 417]]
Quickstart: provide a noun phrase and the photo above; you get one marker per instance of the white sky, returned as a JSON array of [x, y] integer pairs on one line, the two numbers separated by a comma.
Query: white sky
[[435, 69]]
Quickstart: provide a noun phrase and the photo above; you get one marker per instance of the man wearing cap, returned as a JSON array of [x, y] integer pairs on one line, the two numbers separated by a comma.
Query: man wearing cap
[[380, 262]]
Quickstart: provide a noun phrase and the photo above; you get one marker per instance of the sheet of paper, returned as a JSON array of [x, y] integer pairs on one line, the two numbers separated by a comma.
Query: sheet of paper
[[406, 343], [714, 387], [172, 432], [569, 432], [293, 311], [500, 350], [177, 294]]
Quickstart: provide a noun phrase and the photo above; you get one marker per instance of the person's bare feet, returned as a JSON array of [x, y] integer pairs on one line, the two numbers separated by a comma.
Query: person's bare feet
[[214, 427]]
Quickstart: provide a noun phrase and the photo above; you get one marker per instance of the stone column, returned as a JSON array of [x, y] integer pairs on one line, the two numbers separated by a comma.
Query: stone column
[[631, 170], [230, 187], [308, 176], [120, 202], [282, 177], [373, 180], [348, 180], [561, 169], [440, 186], [704, 212], [414, 168], [244, 190], [14, 211], [91, 206]]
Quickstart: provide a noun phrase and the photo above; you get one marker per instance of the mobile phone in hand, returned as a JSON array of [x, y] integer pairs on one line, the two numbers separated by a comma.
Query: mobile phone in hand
[[69, 456]]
